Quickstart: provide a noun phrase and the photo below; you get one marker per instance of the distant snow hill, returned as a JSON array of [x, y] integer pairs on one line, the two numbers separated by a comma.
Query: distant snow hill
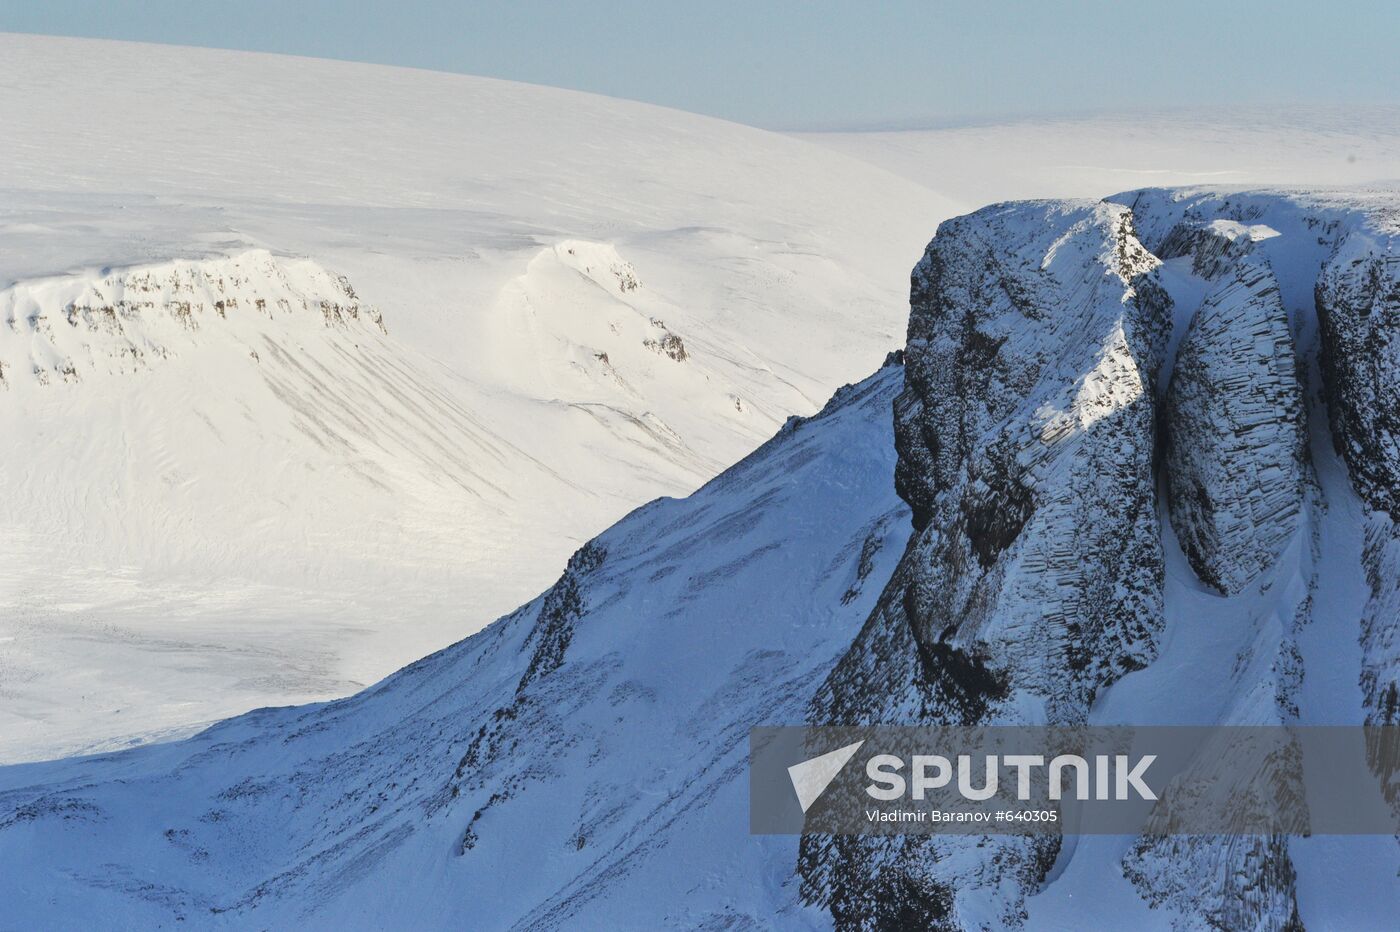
[[1138, 464], [308, 369], [1091, 156]]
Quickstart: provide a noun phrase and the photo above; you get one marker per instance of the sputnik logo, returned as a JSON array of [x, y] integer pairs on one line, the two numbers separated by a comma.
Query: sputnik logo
[[811, 777]]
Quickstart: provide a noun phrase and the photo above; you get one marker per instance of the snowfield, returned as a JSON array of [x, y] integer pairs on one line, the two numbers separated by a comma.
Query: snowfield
[[1092, 156]]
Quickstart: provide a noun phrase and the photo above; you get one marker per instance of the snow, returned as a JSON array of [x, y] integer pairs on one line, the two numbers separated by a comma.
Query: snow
[[170, 564], [604, 786], [1096, 155]]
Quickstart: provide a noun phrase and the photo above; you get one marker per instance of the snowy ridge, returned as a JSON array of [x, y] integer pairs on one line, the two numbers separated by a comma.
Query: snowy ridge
[[581, 327], [550, 771]]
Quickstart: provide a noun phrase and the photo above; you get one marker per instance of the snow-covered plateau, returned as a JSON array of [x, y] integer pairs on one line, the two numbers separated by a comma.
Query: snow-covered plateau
[[309, 369]]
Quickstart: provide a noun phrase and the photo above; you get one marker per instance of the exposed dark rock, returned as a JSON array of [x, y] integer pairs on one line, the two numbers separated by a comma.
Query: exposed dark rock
[[668, 344], [1358, 309], [562, 606]]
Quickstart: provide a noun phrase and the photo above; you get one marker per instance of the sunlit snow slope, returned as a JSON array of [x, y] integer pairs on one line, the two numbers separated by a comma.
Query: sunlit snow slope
[[309, 368]]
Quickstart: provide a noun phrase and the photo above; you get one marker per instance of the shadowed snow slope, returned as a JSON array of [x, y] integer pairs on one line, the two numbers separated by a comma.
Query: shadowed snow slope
[[581, 762], [224, 489]]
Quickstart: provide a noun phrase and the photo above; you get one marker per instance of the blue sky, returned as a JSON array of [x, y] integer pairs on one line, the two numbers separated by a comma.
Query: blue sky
[[819, 64]]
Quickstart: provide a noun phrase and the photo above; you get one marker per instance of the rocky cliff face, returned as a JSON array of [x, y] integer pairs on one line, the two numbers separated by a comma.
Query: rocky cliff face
[[1065, 363], [1235, 439], [112, 322], [1026, 448], [1034, 578], [1358, 305]]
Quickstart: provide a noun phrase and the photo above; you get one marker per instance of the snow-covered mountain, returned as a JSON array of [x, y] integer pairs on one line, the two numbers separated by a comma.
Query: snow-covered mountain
[[1145, 459], [215, 501], [308, 368]]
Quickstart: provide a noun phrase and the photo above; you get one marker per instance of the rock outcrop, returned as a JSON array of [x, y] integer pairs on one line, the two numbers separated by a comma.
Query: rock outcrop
[[1358, 306], [1235, 439], [115, 321], [1034, 578], [1056, 378]]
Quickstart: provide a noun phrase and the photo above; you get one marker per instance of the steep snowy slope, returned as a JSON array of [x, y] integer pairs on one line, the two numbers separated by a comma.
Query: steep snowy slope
[[581, 762], [218, 496]]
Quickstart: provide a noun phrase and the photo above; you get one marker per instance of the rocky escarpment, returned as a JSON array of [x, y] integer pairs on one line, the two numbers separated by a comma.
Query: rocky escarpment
[[1066, 362], [1241, 495], [1028, 398], [562, 606], [1235, 439], [68, 327], [1026, 448], [1232, 883], [1358, 305], [560, 609]]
